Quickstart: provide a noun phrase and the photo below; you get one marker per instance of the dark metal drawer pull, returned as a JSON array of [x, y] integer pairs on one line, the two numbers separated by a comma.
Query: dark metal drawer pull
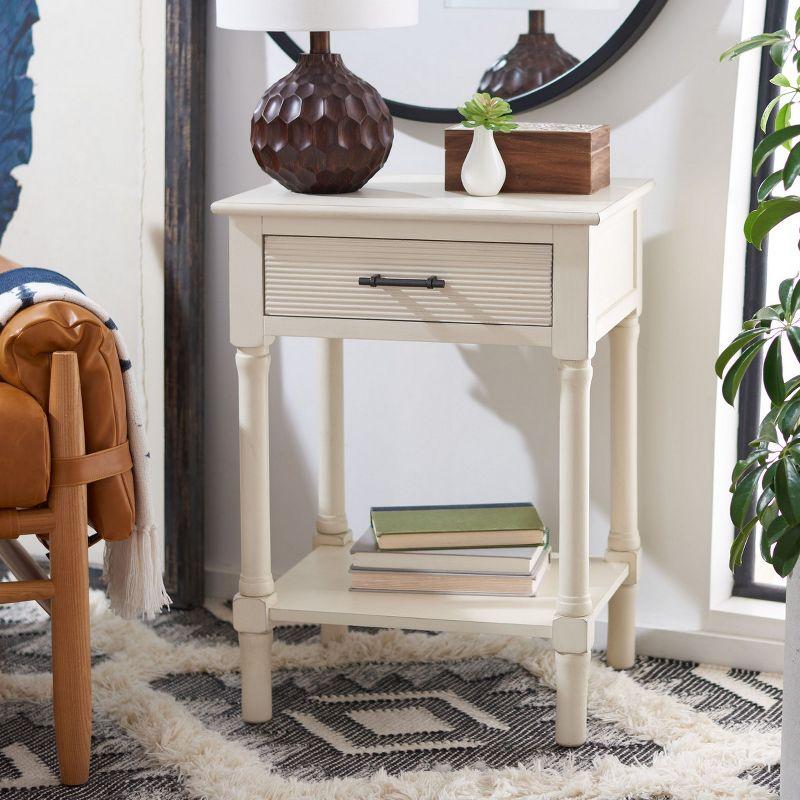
[[423, 283]]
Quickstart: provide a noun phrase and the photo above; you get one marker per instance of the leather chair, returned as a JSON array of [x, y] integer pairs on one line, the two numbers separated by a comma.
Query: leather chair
[[61, 394]]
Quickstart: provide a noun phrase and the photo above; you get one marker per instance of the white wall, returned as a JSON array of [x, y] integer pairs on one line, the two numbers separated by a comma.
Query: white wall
[[92, 200], [440, 423]]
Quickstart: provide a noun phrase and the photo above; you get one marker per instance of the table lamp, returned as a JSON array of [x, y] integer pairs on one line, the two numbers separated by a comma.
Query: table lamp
[[320, 129], [537, 58]]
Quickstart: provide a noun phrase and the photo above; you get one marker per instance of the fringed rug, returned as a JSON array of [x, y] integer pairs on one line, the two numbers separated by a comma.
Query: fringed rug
[[383, 714]]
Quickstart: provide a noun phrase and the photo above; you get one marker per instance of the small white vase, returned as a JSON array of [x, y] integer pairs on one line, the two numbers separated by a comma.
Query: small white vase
[[483, 172]]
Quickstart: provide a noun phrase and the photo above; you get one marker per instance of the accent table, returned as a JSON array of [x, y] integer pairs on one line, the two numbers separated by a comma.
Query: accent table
[[404, 260]]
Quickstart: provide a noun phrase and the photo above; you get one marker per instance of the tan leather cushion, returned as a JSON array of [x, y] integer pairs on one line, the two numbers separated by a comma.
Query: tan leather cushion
[[6, 265], [26, 344], [24, 450]]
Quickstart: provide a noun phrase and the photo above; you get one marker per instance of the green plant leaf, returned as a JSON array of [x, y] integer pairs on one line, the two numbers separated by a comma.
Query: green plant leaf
[[765, 547], [734, 347], [775, 528], [768, 111], [737, 548], [762, 441], [765, 501], [793, 335], [769, 535], [787, 490], [751, 44], [791, 168], [792, 385], [772, 312], [785, 294], [773, 373], [768, 184], [751, 220], [767, 428], [736, 373], [753, 456], [746, 465], [742, 499], [754, 322], [780, 79], [773, 140], [769, 475], [777, 52], [786, 551], [768, 215], [795, 299], [789, 417], [782, 120]]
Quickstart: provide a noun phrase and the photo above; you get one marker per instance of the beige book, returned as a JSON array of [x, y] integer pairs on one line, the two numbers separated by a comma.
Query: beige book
[[386, 580]]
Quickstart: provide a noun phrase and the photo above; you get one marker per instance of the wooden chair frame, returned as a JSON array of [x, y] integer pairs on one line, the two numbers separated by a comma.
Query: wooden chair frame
[[65, 593]]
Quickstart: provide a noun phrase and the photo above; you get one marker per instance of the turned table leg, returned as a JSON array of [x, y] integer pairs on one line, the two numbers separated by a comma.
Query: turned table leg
[[332, 528], [623, 540], [573, 631], [256, 587]]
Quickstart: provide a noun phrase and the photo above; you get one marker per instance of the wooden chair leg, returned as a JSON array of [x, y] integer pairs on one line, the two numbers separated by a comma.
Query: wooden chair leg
[[69, 568]]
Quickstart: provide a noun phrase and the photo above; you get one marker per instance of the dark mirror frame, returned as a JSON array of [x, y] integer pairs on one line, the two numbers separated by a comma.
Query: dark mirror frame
[[635, 24]]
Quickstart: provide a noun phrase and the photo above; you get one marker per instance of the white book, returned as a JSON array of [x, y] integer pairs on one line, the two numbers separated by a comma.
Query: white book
[[365, 554]]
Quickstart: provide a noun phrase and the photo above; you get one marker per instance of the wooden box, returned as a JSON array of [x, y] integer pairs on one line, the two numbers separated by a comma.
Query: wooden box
[[539, 157]]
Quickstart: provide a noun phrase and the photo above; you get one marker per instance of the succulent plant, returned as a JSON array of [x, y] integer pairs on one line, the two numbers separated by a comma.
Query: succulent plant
[[492, 113]]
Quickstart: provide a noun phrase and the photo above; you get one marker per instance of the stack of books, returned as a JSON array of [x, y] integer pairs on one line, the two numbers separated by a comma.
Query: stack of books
[[497, 549]]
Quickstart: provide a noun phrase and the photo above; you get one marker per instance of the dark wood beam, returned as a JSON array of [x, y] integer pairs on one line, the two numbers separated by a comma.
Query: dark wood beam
[[184, 303]]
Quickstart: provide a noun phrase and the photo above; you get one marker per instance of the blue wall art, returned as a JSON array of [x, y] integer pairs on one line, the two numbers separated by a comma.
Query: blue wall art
[[16, 98]]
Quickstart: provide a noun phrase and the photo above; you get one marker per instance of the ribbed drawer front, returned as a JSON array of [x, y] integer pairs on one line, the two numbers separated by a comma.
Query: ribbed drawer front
[[485, 282]]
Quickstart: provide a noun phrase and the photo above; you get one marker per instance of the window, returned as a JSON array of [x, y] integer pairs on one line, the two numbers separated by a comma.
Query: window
[[764, 270]]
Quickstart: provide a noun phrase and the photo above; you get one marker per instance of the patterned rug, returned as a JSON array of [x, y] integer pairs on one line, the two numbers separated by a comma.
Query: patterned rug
[[384, 714]]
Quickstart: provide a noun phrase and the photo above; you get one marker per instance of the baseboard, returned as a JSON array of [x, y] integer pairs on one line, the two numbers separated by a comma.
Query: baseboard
[[744, 652]]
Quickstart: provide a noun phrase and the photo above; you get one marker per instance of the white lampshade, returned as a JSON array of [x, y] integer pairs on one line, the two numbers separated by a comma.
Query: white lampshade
[[538, 5], [315, 15]]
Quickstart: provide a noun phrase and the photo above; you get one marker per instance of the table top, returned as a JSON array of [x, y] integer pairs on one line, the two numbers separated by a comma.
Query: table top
[[424, 197]]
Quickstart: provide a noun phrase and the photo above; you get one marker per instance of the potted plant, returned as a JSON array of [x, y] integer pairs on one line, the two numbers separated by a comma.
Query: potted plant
[[766, 483], [483, 172]]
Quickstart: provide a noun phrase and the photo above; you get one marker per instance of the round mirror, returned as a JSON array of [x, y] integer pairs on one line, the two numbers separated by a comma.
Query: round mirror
[[529, 52]]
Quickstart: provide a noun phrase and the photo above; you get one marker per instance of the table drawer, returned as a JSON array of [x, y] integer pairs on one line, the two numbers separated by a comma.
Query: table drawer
[[499, 283]]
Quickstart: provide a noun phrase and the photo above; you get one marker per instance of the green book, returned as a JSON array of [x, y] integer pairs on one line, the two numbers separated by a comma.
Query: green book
[[435, 527]]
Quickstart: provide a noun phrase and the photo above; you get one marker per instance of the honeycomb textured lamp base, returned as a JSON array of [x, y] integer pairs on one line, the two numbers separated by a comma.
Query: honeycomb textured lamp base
[[321, 129], [536, 59]]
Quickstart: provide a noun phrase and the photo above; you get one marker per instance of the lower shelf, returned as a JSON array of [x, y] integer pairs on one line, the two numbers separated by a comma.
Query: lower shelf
[[316, 591]]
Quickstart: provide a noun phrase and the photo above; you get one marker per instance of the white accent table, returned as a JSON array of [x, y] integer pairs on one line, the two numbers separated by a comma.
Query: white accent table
[[556, 271]]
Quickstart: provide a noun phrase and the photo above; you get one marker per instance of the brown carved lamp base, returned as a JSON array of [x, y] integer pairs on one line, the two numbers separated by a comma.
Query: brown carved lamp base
[[321, 129], [535, 59]]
